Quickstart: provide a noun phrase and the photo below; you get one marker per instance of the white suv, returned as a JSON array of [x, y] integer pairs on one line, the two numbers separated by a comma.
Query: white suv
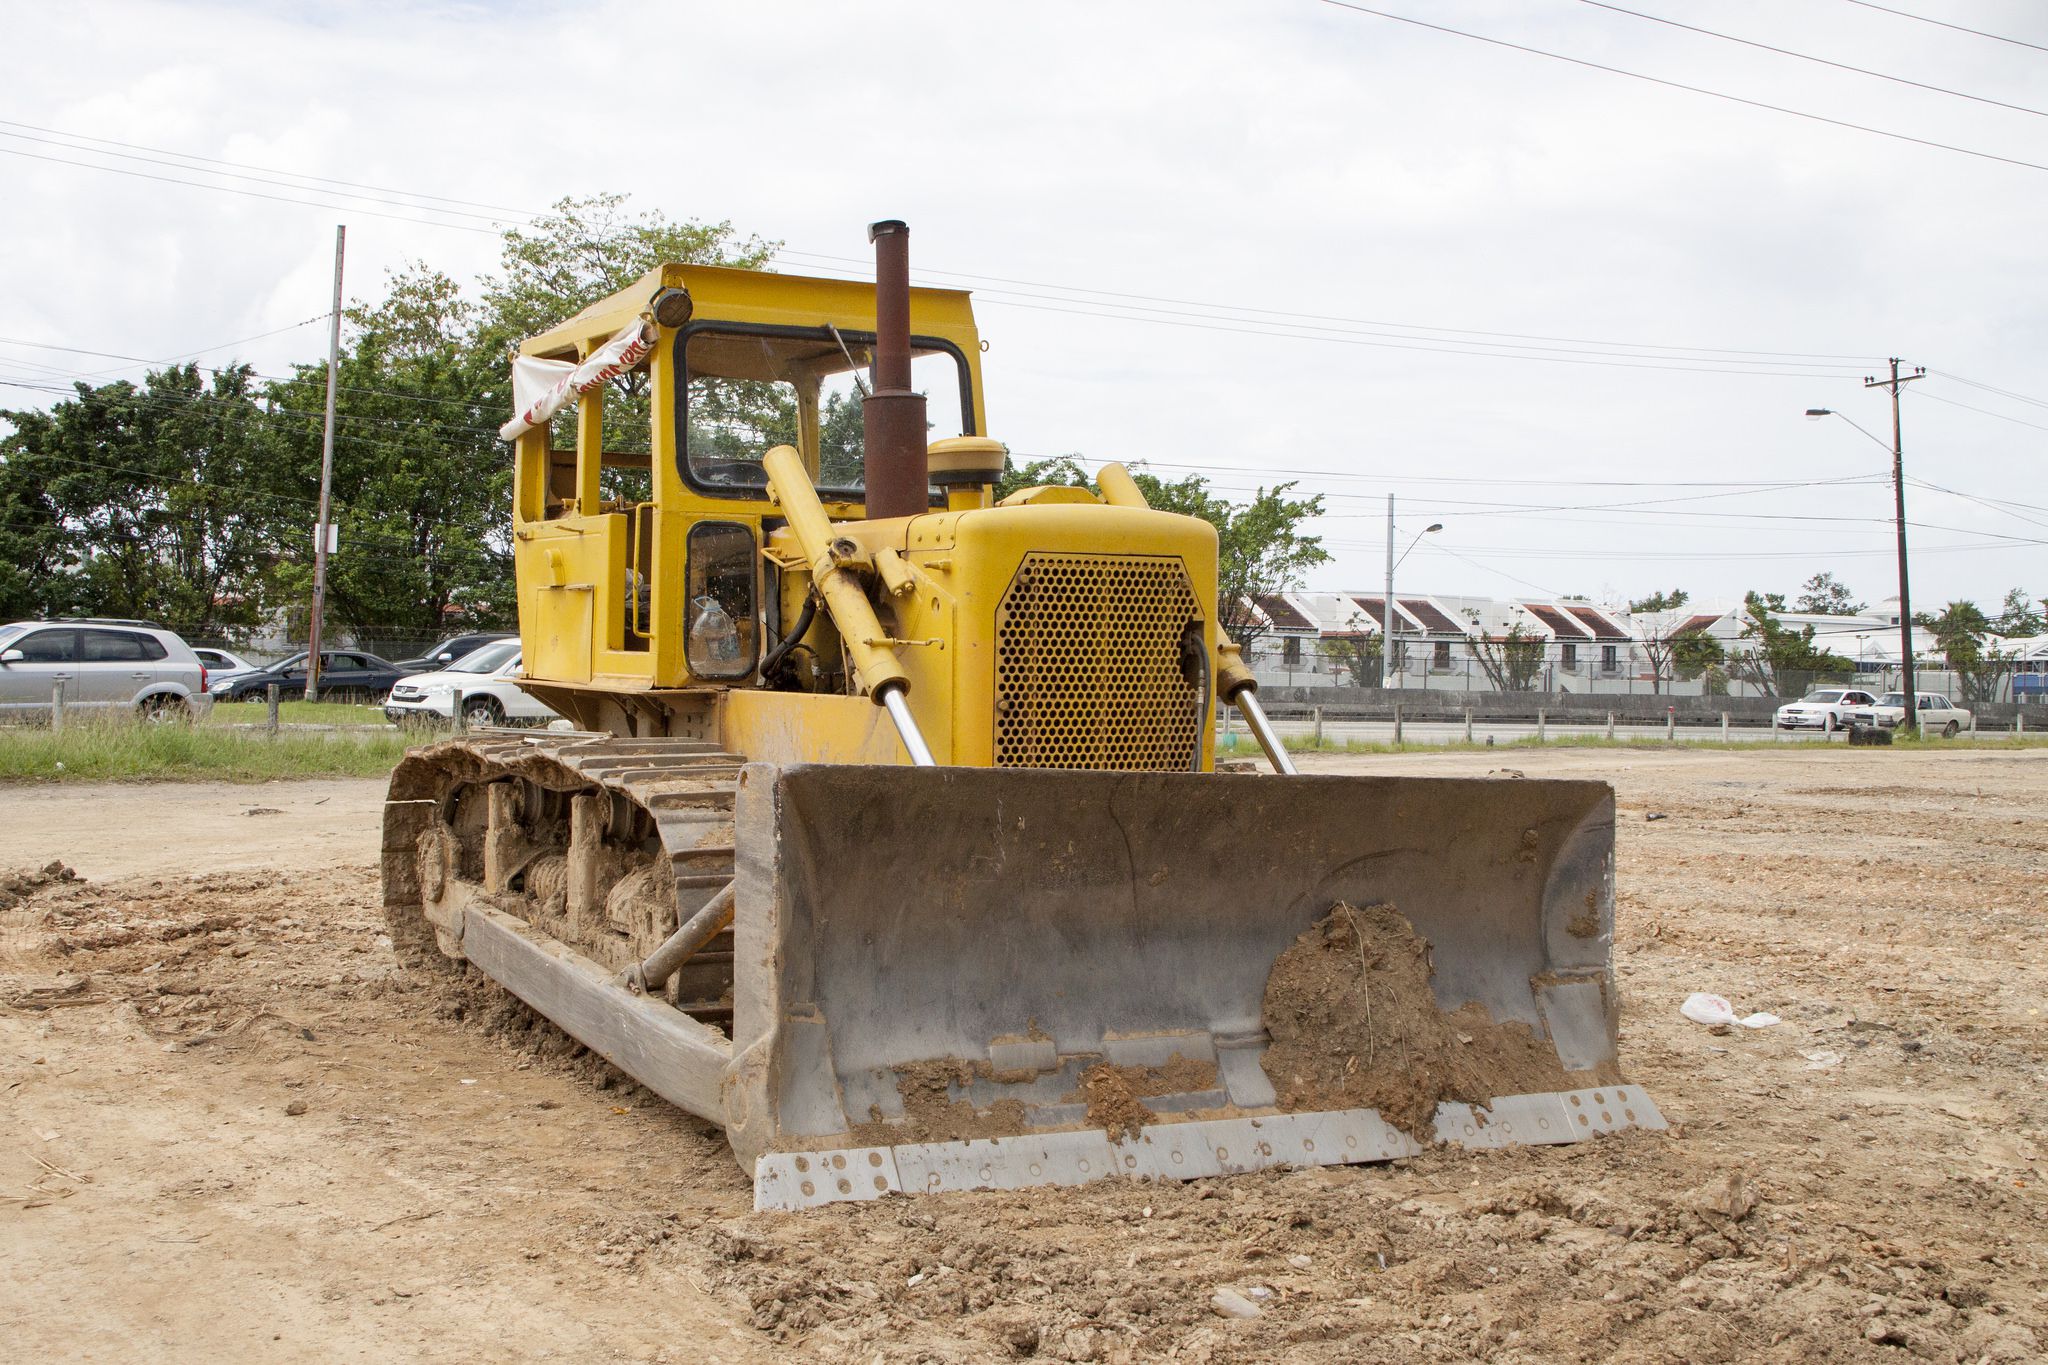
[[107, 667]]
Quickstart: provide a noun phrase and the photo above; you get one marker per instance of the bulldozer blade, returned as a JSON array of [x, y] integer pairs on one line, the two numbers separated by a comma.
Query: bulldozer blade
[[951, 978]]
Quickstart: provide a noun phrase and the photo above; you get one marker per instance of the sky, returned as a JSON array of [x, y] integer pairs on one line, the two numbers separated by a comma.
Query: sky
[[1573, 315]]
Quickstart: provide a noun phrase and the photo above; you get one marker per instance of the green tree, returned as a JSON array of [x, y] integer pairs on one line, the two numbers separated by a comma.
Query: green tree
[[422, 484], [1960, 632], [1358, 651], [1512, 660], [1658, 637], [1825, 595], [2018, 618], [1694, 653], [1776, 658], [584, 250], [141, 502], [1260, 545]]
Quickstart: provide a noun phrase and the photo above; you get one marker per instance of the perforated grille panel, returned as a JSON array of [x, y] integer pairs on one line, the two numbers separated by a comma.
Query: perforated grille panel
[[1088, 664]]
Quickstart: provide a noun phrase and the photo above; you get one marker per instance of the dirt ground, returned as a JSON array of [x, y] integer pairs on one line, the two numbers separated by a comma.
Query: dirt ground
[[230, 1128]]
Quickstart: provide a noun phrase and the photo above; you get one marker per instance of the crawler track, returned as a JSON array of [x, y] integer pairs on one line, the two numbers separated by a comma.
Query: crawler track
[[603, 844]]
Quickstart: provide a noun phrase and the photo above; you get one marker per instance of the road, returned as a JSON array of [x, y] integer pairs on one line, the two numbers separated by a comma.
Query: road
[[1502, 732]]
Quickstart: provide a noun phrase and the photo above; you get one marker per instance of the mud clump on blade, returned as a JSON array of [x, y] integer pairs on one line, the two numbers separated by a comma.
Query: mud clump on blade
[[1355, 1025], [1115, 1094], [931, 1114], [1111, 1105]]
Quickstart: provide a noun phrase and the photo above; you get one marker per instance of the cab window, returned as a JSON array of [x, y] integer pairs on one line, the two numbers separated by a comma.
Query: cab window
[[747, 390], [718, 608]]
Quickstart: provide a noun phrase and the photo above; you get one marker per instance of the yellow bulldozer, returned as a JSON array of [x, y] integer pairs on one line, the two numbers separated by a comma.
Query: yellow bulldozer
[[890, 837]]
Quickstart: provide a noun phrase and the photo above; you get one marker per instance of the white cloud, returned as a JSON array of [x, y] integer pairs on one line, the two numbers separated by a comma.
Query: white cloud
[[1284, 156]]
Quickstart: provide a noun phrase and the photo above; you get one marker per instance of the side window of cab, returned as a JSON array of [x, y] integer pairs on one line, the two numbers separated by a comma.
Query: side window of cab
[[719, 613]]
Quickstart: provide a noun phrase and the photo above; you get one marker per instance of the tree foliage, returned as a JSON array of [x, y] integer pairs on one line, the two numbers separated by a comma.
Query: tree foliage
[[1358, 651], [584, 250], [1511, 660], [1961, 632], [1825, 595], [1658, 638], [2018, 618], [191, 498], [1261, 547], [1778, 659], [145, 502]]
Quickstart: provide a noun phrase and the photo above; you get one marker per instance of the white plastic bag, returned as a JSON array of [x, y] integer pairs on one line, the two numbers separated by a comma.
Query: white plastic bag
[[1702, 1008]]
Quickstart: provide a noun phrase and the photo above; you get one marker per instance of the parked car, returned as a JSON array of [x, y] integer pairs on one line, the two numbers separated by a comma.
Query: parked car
[[106, 666], [490, 693], [345, 675], [1938, 715], [453, 648], [223, 667], [1824, 708]]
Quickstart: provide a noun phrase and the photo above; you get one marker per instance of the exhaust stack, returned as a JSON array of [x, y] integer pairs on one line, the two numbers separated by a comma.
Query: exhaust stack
[[893, 416]]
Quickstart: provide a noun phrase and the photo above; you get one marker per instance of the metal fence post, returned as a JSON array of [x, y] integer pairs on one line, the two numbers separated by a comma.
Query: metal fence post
[[461, 721], [270, 700], [57, 707]]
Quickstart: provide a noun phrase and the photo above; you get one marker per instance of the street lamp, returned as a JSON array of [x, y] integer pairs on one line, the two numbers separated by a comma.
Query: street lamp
[[1387, 607], [1912, 720]]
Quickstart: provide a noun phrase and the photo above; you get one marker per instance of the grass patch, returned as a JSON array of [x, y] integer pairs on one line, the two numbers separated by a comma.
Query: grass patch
[[295, 713], [121, 751]]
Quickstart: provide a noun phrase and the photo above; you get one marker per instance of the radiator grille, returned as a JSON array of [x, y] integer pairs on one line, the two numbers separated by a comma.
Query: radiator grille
[[1088, 664]]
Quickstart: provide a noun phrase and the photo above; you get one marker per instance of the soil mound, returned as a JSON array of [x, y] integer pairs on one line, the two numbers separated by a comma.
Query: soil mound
[[1355, 1025]]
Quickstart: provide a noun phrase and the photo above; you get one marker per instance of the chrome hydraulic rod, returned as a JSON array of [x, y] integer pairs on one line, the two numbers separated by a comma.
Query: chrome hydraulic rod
[[1247, 700], [906, 725]]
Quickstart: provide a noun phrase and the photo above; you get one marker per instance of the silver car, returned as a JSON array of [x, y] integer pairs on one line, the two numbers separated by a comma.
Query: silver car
[[107, 668]]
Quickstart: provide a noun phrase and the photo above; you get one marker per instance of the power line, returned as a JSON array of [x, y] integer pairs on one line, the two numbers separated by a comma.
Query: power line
[[1991, 388], [1807, 57], [252, 179], [82, 375], [1692, 89], [1453, 339], [1219, 322], [282, 379], [250, 194], [1968, 407], [268, 170], [1440, 350], [1224, 310], [1974, 32]]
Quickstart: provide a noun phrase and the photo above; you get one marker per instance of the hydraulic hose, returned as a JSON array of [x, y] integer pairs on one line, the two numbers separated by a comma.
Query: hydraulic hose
[[794, 637]]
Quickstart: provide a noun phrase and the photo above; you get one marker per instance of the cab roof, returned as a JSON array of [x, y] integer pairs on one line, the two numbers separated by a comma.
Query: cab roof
[[760, 297]]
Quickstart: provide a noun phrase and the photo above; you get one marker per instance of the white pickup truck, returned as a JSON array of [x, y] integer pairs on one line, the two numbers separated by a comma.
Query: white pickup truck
[[1938, 715]]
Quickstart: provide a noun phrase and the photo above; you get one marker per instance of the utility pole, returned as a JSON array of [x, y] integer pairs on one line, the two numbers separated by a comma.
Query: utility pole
[[1387, 605], [1899, 501], [321, 528]]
